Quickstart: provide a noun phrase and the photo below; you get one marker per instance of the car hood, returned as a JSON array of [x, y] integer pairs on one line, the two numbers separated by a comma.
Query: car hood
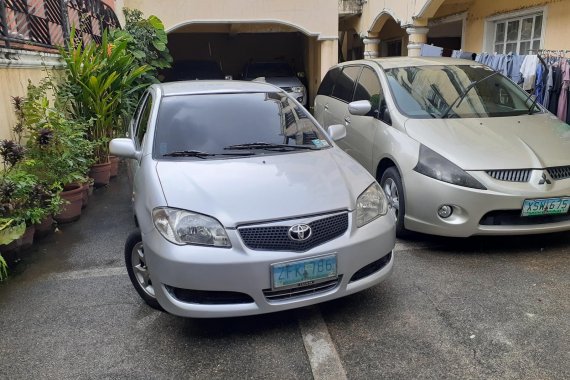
[[284, 81], [521, 142], [263, 188]]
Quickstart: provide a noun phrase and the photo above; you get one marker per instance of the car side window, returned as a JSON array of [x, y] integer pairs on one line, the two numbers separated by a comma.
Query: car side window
[[142, 122], [344, 85], [368, 88], [136, 116], [328, 82]]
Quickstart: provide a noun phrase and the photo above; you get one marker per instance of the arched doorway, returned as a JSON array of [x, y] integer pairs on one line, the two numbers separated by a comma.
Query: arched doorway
[[392, 38], [233, 45]]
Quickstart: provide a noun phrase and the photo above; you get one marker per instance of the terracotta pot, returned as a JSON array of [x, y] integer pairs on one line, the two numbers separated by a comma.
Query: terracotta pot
[[10, 249], [114, 165], [85, 199], [101, 173], [91, 184], [45, 227], [27, 239], [71, 211]]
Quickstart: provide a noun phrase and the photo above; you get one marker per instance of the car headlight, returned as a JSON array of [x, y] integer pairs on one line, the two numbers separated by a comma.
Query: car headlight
[[436, 166], [184, 227], [370, 205], [298, 89]]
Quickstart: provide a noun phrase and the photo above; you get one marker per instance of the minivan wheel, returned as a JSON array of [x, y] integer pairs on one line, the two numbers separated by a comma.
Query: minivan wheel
[[391, 183], [138, 270]]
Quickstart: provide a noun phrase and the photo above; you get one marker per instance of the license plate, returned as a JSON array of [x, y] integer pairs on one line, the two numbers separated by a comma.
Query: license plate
[[303, 272], [547, 206]]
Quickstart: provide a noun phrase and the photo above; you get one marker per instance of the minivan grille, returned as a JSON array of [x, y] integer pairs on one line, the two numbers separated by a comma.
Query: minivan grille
[[559, 172], [515, 175], [276, 238]]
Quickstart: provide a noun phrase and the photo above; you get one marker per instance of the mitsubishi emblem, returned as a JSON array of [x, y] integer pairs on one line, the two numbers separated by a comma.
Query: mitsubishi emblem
[[544, 180]]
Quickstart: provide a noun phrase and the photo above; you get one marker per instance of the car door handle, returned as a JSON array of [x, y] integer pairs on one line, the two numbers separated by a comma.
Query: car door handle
[[326, 107], [347, 120]]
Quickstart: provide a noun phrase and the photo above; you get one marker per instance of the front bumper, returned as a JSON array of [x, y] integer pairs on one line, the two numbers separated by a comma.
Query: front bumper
[[242, 270], [424, 195]]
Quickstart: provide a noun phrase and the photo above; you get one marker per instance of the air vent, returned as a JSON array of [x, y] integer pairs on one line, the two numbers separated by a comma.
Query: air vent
[[516, 175], [559, 172]]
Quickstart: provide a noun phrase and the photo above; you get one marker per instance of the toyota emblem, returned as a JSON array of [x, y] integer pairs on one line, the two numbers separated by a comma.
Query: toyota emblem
[[300, 232]]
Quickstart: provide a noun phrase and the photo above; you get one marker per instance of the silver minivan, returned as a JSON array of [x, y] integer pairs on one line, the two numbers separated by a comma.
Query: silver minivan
[[245, 205], [458, 148]]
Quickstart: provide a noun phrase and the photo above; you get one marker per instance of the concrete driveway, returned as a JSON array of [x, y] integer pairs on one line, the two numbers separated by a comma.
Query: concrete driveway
[[476, 308]]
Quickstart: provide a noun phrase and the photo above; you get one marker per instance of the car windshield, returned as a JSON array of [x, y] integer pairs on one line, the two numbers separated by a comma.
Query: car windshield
[[268, 69], [221, 125], [465, 91]]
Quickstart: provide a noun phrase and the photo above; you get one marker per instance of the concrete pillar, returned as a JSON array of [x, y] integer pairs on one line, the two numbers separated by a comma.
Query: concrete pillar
[[418, 37], [371, 47]]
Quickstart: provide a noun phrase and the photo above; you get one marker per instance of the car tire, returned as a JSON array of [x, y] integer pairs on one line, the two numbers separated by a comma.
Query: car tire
[[391, 183], [138, 270]]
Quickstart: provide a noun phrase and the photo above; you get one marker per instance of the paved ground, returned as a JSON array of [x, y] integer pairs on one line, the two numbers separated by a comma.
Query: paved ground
[[475, 308]]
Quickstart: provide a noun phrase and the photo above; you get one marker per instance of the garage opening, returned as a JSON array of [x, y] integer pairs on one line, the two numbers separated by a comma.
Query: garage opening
[[235, 47]]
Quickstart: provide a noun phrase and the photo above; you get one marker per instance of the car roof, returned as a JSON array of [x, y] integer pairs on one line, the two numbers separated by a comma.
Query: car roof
[[393, 62], [194, 87]]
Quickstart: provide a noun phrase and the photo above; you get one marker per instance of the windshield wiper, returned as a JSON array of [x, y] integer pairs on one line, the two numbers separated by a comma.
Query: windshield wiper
[[464, 94], [264, 145], [200, 154]]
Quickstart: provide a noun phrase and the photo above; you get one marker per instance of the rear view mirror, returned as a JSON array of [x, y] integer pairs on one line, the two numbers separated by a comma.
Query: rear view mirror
[[336, 132], [228, 77], [359, 107], [124, 147]]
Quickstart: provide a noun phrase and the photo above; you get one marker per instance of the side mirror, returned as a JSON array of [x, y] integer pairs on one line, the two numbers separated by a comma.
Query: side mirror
[[336, 132], [124, 147], [359, 107]]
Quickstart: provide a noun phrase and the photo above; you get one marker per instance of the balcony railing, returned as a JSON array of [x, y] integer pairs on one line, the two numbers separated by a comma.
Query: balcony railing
[[350, 7], [47, 23]]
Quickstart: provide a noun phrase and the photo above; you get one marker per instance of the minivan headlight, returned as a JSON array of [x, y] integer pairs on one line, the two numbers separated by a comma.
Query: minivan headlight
[[297, 89], [370, 205], [436, 166], [184, 227]]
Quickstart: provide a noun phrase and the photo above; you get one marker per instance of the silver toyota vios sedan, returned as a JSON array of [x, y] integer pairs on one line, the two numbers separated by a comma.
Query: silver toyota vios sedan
[[245, 205], [459, 149]]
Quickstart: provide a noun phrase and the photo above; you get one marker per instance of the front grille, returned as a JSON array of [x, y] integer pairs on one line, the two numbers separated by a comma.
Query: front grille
[[276, 238], [287, 89], [515, 175], [321, 287], [209, 297], [559, 172], [371, 268], [514, 218]]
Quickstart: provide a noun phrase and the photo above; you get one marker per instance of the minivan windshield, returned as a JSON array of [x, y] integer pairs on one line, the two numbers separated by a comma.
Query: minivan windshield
[[268, 69], [464, 91], [233, 124]]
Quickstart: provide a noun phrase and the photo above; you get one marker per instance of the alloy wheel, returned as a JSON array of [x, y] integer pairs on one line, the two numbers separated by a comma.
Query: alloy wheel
[[391, 191], [141, 270]]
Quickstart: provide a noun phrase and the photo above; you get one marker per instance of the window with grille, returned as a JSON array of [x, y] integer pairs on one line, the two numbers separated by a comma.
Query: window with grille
[[518, 35]]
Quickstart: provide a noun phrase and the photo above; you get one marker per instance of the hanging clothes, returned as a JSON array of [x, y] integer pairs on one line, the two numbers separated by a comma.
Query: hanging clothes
[[555, 92], [563, 101], [431, 51], [512, 67], [548, 88], [528, 71], [539, 85]]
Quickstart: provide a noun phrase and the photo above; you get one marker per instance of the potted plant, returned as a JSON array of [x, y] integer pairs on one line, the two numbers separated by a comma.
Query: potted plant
[[58, 152], [99, 79]]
